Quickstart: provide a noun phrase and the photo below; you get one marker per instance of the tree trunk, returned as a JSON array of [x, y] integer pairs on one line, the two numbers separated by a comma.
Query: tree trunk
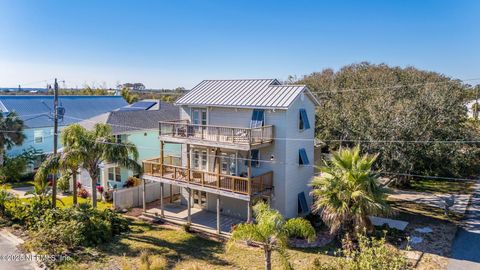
[[268, 259], [74, 177], [94, 190]]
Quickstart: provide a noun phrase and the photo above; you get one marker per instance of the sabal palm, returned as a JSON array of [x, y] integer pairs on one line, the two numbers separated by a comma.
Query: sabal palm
[[11, 134], [348, 191], [98, 145], [271, 231]]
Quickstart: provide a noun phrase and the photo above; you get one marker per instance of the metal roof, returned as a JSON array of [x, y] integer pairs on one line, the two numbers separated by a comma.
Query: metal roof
[[36, 111], [253, 93]]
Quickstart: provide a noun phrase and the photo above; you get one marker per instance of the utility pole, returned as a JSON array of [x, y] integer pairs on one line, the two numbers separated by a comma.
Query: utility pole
[[55, 139]]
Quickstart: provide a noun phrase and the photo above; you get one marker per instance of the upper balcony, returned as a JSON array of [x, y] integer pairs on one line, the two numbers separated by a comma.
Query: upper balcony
[[181, 131], [171, 171]]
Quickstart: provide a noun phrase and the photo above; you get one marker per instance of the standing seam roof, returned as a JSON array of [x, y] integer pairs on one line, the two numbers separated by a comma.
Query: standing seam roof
[[262, 93]]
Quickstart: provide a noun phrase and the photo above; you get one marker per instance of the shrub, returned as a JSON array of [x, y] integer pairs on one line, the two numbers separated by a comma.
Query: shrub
[[5, 197], [372, 254], [152, 262], [100, 189], [62, 230], [132, 182], [83, 193], [64, 183], [298, 227], [12, 169]]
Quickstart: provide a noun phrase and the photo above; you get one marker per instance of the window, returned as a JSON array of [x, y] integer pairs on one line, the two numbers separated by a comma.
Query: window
[[199, 116], [302, 157], [303, 123], [114, 174], [258, 118], [118, 138], [255, 157], [118, 176], [38, 136], [302, 203], [200, 159]]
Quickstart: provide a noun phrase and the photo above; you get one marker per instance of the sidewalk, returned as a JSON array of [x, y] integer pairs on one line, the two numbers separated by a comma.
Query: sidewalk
[[466, 246]]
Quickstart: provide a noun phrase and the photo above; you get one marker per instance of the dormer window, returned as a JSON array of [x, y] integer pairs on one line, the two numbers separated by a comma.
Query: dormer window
[[303, 120]]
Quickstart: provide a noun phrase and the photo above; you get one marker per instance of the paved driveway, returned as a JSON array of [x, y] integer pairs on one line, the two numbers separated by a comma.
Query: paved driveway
[[8, 246], [466, 246]]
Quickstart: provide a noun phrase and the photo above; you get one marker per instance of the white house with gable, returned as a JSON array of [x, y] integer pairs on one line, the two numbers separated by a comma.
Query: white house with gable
[[242, 141]]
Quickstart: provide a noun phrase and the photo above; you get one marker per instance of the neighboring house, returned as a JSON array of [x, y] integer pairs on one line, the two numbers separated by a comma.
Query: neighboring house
[[138, 124], [37, 114], [471, 112], [242, 141]]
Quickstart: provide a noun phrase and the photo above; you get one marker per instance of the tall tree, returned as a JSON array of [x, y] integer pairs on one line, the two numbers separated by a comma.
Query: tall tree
[[271, 230], [11, 132], [97, 146], [348, 191], [404, 114]]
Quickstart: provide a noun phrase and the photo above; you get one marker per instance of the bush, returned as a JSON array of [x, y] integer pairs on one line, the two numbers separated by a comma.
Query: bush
[[83, 193], [12, 169], [372, 254], [63, 230], [298, 227], [64, 183], [132, 182], [152, 262]]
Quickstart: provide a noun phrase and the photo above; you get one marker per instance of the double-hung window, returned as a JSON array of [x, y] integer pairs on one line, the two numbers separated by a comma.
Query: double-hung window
[[114, 174], [302, 157], [303, 120]]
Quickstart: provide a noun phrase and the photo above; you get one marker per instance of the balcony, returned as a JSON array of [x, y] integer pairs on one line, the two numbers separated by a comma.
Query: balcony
[[217, 136], [171, 171]]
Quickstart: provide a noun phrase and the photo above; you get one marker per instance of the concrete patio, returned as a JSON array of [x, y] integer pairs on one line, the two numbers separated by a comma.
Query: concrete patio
[[201, 219]]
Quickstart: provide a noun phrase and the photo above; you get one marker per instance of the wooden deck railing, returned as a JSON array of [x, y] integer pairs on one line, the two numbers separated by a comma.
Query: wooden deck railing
[[236, 184], [183, 129]]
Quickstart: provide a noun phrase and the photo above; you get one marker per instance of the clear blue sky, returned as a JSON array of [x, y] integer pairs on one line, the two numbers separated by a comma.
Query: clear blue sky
[[179, 43]]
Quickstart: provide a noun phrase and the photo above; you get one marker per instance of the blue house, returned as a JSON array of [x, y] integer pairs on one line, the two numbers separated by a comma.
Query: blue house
[[37, 113]]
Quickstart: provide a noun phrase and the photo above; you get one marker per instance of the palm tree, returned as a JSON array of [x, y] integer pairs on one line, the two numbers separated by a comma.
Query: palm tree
[[271, 231], [348, 191], [11, 134], [93, 147], [67, 162]]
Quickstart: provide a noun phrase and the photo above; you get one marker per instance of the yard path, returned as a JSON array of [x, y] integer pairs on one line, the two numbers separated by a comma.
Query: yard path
[[8, 246], [466, 246]]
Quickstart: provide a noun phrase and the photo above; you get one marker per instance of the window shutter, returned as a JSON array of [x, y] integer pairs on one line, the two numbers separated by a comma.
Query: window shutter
[[302, 157], [302, 203], [304, 124]]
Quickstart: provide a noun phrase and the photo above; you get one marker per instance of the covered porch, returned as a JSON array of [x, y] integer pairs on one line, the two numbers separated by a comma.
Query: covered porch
[[201, 219]]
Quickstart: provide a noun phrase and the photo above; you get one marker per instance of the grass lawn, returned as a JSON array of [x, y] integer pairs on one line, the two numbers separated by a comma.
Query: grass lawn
[[442, 186], [183, 251], [17, 184], [68, 201]]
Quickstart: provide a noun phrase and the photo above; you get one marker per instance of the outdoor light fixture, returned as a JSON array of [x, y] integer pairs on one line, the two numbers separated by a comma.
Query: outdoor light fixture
[[272, 157]]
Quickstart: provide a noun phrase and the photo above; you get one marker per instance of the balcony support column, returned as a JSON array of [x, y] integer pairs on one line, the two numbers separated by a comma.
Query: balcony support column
[[218, 214], [217, 164], [162, 207], [144, 203], [162, 144], [189, 174], [189, 205]]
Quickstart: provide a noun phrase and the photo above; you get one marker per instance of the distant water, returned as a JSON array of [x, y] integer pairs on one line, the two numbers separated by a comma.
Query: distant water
[[26, 89]]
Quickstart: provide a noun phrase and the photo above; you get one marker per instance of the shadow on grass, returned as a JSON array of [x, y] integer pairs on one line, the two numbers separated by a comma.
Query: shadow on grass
[[147, 237]]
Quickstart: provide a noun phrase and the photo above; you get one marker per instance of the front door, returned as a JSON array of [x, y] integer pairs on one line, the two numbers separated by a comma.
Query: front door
[[199, 116], [200, 159], [199, 199]]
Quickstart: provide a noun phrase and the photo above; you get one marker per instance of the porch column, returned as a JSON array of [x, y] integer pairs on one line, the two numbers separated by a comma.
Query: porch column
[[218, 214], [171, 193], [217, 166], [162, 211], [144, 204], [189, 205], [249, 174], [249, 212], [162, 144], [189, 174]]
